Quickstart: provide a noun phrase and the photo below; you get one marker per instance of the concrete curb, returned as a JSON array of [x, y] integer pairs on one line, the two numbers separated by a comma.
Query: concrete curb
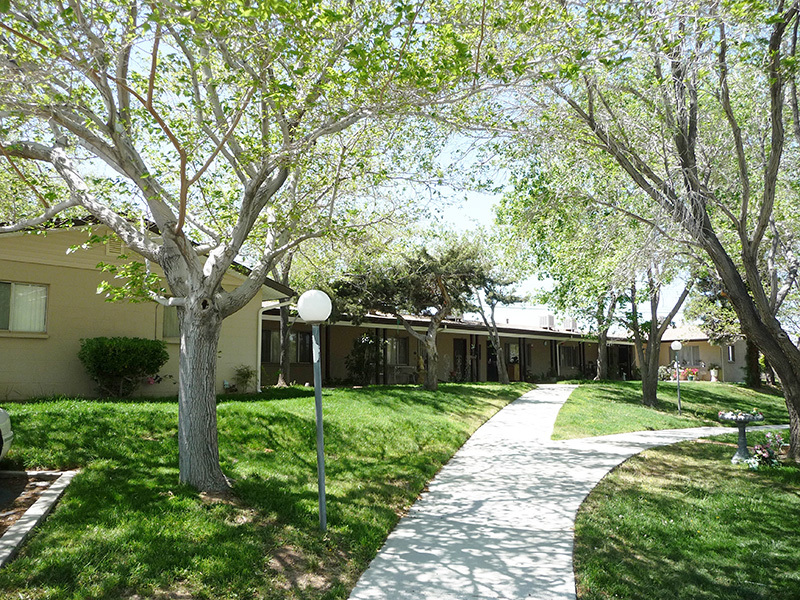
[[13, 538]]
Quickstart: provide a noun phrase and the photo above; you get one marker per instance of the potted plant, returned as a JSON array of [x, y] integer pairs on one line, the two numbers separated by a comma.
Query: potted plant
[[689, 373], [713, 370]]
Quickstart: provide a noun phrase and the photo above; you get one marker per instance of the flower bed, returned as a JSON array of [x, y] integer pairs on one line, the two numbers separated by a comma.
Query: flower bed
[[738, 416]]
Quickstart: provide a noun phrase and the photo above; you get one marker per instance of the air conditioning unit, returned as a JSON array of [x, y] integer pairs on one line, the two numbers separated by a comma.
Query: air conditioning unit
[[571, 324], [547, 322]]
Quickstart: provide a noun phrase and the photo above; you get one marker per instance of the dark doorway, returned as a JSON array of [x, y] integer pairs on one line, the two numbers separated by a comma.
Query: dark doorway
[[625, 362], [491, 364]]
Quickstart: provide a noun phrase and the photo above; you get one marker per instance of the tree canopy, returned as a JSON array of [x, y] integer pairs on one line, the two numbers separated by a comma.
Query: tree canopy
[[234, 128]]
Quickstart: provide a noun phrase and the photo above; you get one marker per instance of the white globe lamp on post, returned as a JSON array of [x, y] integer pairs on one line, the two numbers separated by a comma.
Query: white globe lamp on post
[[676, 347], [314, 307]]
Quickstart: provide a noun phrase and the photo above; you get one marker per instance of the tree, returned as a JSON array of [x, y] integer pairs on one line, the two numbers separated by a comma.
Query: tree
[[434, 281], [494, 291], [688, 101], [711, 307], [582, 248], [201, 121], [494, 286], [282, 271], [647, 335]]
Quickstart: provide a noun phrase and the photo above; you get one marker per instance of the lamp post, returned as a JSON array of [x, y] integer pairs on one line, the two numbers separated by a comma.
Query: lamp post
[[314, 307], [676, 346]]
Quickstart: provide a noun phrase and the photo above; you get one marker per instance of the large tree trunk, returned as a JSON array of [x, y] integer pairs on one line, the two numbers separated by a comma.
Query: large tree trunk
[[502, 368], [198, 450], [602, 355], [650, 386], [649, 371], [428, 342], [432, 372], [284, 376], [761, 328], [752, 368]]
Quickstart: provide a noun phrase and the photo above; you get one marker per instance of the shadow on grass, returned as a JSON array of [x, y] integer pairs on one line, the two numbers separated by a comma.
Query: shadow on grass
[[124, 522], [452, 398], [126, 527], [701, 399], [682, 520]]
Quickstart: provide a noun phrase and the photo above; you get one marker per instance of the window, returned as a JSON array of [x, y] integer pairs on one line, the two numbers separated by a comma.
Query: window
[[299, 346], [569, 357], [688, 356], [171, 326], [303, 347], [731, 353], [23, 307], [397, 351]]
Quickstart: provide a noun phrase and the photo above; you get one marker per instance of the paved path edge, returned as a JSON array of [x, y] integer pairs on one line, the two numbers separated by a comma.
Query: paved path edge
[[15, 536]]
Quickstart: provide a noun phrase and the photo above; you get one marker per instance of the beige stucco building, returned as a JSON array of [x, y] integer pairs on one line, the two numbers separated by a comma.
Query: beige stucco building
[[465, 352], [698, 353], [49, 302]]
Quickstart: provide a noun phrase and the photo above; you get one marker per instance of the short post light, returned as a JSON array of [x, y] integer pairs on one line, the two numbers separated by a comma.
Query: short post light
[[314, 307], [676, 347]]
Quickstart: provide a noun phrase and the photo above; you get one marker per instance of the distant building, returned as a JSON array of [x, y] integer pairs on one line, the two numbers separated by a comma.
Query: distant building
[[465, 352], [697, 352]]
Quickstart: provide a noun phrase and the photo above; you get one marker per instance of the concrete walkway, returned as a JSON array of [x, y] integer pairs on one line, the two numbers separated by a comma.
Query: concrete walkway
[[497, 521]]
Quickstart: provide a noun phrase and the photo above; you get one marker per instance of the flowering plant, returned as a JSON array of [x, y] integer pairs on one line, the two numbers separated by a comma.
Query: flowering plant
[[687, 371], [766, 455]]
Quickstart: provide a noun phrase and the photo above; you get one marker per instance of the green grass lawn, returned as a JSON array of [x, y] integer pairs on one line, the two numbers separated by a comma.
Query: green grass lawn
[[681, 522], [126, 529], [616, 407]]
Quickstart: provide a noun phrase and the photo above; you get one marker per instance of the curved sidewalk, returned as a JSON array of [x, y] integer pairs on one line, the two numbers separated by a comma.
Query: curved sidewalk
[[497, 521]]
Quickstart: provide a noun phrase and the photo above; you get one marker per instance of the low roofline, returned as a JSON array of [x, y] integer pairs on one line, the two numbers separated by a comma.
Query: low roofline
[[279, 287], [69, 224], [468, 327]]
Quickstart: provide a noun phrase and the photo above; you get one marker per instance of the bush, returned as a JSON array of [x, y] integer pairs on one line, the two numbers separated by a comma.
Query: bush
[[665, 373], [119, 364], [244, 375]]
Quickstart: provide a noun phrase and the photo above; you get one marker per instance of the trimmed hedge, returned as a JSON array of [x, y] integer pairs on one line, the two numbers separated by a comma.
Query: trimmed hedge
[[119, 364]]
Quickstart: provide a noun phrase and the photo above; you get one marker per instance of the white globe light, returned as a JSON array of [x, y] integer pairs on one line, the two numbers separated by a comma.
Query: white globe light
[[676, 345], [314, 306]]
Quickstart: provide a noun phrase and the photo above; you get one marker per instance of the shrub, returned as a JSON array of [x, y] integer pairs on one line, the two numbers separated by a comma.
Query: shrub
[[665, 373], [119, 364], [243, 377]]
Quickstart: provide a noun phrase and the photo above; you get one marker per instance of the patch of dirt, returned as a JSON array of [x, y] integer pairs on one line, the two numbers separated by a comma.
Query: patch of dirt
[[715, 443], [18, 493], [292, 564], [297, 571]]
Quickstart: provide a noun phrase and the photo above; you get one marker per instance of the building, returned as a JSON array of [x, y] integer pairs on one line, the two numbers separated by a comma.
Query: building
[[697, 352], [465, 352], [49, 302]]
